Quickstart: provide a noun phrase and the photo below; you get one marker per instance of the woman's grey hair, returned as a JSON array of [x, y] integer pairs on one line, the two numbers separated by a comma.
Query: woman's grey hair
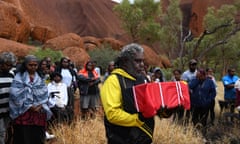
[[29, 58], [7, 57]]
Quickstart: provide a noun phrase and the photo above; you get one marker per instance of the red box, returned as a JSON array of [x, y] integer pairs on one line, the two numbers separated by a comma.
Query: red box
[[150, 97]]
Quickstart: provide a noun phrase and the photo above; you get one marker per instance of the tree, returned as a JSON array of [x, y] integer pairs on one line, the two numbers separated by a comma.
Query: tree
[[147, 23], [220, 37], [139, 19]]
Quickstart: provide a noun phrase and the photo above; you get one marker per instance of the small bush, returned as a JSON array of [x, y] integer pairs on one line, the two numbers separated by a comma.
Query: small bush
[[103, 56], [54, 55]]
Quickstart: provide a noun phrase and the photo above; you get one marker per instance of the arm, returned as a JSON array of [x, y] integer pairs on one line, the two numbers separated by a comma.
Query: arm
[[65, 96], [193, 83], [112, 103], [227, 83], [83, 79], [213, 92]]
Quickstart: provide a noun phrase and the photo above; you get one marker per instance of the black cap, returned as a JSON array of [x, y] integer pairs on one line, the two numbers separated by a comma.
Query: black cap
[[192, 61]]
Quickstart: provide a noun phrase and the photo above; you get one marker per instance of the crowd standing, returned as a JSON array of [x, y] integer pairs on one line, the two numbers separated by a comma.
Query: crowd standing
[[39, 92]]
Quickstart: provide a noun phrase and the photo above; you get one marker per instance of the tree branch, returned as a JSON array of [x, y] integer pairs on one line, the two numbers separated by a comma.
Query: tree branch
[[223, 41], [206, 32]]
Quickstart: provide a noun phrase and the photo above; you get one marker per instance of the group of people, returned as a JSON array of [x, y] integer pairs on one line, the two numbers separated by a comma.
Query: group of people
[[124, 124], [38, 92]]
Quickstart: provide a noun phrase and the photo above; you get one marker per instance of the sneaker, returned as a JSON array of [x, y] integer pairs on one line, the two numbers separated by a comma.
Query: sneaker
[[49, 136]]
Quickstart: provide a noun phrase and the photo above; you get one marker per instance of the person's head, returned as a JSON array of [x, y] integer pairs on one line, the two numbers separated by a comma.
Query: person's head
[[158, 73], [44, 66], [209, 71], [55, 76], [192, 65], [7, 61], [231, 71], [30, 64], [111, 66], [131, 59], [48, 60], [201, 74], [64, 62], [89, 66], [177, 74]]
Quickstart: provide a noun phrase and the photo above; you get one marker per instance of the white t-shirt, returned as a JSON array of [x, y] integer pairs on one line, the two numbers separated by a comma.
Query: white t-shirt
[[60, 99], [66, 77]]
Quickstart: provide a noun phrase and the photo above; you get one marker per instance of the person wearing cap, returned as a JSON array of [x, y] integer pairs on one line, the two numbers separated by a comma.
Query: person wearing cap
[[187, 76], [7, 60], [191, 72], [28, 103]]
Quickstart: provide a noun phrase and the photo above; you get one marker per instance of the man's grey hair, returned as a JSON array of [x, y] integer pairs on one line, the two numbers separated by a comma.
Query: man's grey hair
[[130, 50], [128, 53], [7, 57]]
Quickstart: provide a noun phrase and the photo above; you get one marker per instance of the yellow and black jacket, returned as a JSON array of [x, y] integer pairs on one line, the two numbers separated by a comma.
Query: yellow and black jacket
[[124, 125]]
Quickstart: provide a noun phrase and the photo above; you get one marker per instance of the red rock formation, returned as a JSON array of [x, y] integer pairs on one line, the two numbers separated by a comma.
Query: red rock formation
[[91, 43], [83, 17], [151, 58], [94, 20], [115, 44], [64, 41], [78, 55], [20, 50], [42, 34], [13, 24]]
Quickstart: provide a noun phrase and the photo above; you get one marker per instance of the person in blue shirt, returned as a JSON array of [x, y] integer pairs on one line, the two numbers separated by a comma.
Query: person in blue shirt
[[191, 72], [229, 90]]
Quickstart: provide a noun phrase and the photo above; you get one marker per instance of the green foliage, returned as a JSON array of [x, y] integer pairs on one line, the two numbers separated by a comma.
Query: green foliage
[[217, 17], [216, 47], [171, 26], [139, 19], [41, 53], [103, 56]]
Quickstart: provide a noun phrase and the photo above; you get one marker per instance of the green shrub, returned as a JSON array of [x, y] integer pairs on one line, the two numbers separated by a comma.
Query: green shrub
[[41, 53], [103, 56]]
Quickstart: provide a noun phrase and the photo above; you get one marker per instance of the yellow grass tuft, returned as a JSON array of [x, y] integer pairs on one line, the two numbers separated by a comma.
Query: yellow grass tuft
[[169, 132], [80, 132]]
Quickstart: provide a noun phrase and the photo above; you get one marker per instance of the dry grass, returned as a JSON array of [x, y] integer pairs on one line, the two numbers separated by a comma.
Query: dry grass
[[166, 131], [80, 132]]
